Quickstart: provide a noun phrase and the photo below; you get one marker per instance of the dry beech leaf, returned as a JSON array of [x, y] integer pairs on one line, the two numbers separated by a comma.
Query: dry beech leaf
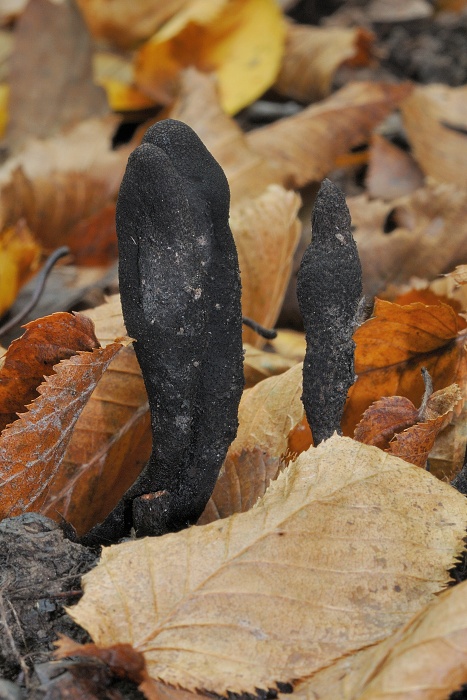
[[57, 93], [31, 357], [395, 425], [266, 232], [424, 660], [312, 56], [427, 235], [32, 448], [307, 145], [260, 364], [289, 343], [124, 22], [115, 73], [266, 414], [222, 37], [293, 151], [459, 275], [435, 119], [19, 258], [316, 531], [112, 438], [56, 183], [391, 172], [394, 345]]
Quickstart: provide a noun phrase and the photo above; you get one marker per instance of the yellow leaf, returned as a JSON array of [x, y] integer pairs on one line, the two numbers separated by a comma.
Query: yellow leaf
[[19, 258], [216, 36], [345, 547], [4, 95]]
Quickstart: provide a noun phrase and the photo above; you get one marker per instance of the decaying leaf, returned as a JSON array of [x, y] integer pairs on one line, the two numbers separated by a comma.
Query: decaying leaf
[[435, 120], [260, 364], [32, 448], [19, 258], [266, 231], [316, 531], [395, 425], [29, 359], [394, 345], [57, 93], [423, 234], [312, 56], [391, 171], [266, 414], [289, 343], [223, 37], [55, 183], [424, 660]]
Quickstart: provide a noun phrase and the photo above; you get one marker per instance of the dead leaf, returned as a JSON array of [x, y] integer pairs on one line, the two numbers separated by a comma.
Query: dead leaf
[[289, 343], [395, 425], [424, 660], [112, 439], [394, 345], [57, 93], [260, 364], [266, 232], [11, 9], [391, 171], [56, 183], [314, 532], [222, 37], [312, 56], [19, 259], [116, 75], [435, 120], [124, 22], [459, 275], [422, 234], [266, 414], [4, 97], [32, 448], [32, 357], [293, 151]]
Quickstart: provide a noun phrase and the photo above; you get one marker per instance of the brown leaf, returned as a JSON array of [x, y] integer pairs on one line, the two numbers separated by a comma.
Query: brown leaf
[[383, 419], [260, 364], [56, 183], [391, 171], [427, 235], [424, 660], [435, 120], [32, 448], [394, 345], [19, 259], [32, 357], [312, 56], [57, 93], [112, 438], [266, 414], [266, 232], [331, 516]]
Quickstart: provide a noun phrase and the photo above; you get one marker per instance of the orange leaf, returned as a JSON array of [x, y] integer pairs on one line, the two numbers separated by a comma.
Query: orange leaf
[[29, 359], [32, 448], [19, 258], [383, 419]]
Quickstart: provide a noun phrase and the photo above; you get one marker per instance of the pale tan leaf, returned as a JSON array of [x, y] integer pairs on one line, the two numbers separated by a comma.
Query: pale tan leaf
[[312, 56], [345, 547], [435, 118], [266, 232], [290, 343], [425, 660], [266, 415], [32, 448], [260, 364], [392, 172]]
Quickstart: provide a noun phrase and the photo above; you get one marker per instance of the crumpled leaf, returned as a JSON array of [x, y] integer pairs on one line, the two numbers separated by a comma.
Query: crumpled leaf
[[312, 56], [266, 414], [316, 530], [394, 345], [19, 258], [221, 36], [424, 660], [422, 234], [30, 358], [111, 441], [32, 448], [57, 93], [55, 183], [435, 119], [293, 151], [395, 425], [266, 232]]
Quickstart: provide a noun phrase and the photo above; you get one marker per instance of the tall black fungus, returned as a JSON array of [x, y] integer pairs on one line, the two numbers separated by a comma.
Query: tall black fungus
[[329, 289], [180, 291]]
